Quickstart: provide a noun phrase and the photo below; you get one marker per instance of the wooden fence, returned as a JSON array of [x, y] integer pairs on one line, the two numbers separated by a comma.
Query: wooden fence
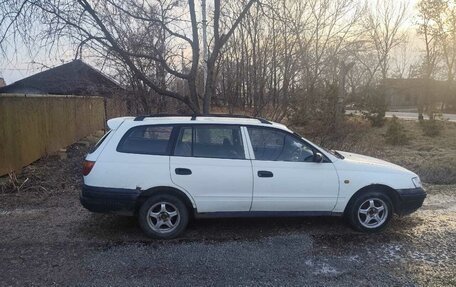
[[35, 125]]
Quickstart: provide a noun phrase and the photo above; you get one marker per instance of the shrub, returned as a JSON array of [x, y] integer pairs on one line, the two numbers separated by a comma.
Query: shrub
[[395, 134], [431, 127], [349, 133], [12, 183], [376, 118], [374, 107], [438, 170]]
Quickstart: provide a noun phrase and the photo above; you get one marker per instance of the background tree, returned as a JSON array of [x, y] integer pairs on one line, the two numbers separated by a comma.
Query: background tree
[[428, 14], [382, 25], [300, 61], [136, 33]]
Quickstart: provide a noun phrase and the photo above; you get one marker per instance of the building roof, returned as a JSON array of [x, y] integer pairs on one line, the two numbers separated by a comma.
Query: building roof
[[417, 83], [73, 78]]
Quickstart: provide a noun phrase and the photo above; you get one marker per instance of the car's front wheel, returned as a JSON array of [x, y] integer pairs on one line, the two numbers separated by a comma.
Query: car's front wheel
[[163, 216], [370, 211]]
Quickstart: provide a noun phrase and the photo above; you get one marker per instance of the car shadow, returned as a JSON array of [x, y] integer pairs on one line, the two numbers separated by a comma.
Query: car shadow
[[325, 230]]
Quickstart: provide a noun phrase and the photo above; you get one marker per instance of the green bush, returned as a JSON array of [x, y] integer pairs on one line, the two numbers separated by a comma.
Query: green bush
[[395, 133], [431, 128]]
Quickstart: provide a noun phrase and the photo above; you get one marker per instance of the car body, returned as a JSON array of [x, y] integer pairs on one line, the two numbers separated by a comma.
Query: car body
[[214, 166]]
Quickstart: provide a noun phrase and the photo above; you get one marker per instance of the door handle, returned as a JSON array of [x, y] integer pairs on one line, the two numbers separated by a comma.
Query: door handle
[[183, 171], [265, 173]]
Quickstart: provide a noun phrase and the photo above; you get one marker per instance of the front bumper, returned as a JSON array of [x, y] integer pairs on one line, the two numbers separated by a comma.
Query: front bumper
[[410, 200], [109, 200]]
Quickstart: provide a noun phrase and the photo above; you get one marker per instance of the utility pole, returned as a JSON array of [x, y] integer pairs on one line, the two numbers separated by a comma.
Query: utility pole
[[203, 12]]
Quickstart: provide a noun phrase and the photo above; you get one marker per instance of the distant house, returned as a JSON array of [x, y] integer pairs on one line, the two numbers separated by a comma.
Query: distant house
[[73, 78], [2, 82], [408, 93]]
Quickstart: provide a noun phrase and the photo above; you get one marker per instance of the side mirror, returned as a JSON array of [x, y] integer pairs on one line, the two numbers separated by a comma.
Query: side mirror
[[318, 157]]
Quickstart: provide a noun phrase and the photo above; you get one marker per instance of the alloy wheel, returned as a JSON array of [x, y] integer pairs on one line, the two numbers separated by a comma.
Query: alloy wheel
[[163, 217], [372, 213]]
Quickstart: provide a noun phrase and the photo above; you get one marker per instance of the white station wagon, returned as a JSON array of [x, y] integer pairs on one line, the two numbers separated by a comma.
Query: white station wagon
[[167, 169]]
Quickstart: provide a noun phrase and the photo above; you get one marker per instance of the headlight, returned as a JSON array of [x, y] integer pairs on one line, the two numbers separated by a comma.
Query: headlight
[[417, 182]]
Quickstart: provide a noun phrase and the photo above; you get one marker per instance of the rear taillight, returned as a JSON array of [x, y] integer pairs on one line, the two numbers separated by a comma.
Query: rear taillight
[[87, 167]]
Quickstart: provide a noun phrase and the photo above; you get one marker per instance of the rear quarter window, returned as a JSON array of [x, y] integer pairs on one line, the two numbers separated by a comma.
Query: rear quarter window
[[97, 145], [154, 140], [210, 141]]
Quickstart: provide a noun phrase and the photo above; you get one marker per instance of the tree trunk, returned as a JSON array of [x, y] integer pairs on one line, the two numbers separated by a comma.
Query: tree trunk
[[210, 83]]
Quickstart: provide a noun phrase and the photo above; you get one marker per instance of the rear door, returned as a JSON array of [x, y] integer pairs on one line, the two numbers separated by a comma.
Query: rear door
[[286, 178], [209, 162]]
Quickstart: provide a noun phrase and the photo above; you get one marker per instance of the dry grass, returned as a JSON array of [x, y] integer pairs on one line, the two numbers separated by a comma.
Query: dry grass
[[50, 174], [433, 158]]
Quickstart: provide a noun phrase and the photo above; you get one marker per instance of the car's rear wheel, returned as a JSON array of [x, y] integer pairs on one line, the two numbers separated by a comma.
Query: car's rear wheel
[[370, 211], [163, 216]]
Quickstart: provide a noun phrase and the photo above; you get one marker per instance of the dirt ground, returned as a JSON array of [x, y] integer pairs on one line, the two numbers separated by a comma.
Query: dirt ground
[[47, 238]]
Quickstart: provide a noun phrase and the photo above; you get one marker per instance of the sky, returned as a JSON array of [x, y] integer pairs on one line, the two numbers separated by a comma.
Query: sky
[[18, 64]]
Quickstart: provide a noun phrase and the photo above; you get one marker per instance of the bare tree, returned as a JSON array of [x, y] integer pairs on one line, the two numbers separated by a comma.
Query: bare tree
[[282, 59], [102, 26], [427, 27], [402, 62], [428, 13], [383, 24], [445, 21]]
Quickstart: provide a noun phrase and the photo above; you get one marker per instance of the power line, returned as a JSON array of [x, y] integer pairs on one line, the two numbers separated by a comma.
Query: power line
[[14, 69]]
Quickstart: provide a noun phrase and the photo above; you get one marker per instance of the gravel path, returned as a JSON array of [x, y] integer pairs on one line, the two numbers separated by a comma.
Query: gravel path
[[53, 240]]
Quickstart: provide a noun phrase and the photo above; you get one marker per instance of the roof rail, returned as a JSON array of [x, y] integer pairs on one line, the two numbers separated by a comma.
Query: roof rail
[[140, 118], [194, 116], [263, 121]]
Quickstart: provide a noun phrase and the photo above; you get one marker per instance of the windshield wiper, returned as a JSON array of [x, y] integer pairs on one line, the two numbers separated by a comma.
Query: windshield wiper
[[338, 154], [334, 153]]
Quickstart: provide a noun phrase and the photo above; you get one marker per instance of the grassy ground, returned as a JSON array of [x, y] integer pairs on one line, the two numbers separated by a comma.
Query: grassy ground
[[433, 158]]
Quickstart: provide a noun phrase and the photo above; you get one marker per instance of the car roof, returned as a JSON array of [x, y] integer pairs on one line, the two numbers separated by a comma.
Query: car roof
[[146, 120]]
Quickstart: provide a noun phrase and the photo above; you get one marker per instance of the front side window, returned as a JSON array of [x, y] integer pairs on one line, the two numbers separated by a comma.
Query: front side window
[[275, 145], [211, 141], [146, 140]]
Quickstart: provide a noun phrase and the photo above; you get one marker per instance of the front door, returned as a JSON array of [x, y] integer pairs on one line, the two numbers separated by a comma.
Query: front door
[[286, 178], [209, 162]]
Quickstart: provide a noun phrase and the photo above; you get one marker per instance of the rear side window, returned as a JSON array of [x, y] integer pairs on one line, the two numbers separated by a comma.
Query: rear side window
[[184, 142], [146, 140], [211, 141]]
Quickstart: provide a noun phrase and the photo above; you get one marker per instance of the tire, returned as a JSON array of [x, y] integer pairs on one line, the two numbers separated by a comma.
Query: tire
[[163, 216], [370, 212]]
